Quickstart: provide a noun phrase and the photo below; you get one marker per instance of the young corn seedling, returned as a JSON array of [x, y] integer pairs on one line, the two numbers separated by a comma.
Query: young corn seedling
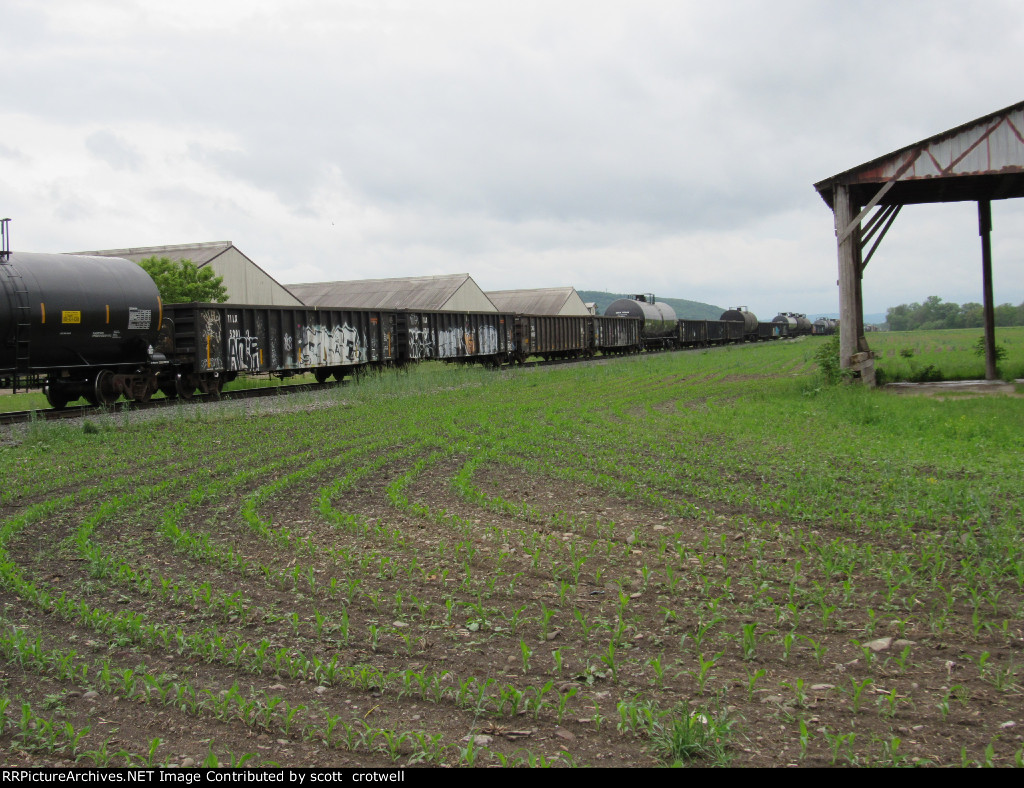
[[856, 691], [563, 700], [703, 629], [526, 652], [608, 658], [659, 672], [545, 621], [705, 667], [749, 641], [752, 679], [799, 692], [840, 742], [805, 739], [818, 649], [556, 658], [888, 703]]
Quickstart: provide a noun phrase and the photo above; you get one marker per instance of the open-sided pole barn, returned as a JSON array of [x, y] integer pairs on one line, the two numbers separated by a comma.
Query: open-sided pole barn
[[980, 161]]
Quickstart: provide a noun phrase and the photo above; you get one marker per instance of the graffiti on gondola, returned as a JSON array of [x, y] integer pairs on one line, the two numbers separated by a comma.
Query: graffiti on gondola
[[243, 351]]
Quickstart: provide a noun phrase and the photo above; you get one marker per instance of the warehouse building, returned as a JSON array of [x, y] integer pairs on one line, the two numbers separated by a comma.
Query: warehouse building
[[245, 281], [448, 293], [540, 301]]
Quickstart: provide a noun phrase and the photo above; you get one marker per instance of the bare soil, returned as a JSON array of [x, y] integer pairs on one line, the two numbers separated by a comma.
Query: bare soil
[[398, 621]]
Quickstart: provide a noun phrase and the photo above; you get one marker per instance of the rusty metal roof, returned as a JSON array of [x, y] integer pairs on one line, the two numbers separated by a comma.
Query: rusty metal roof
[[980, 160], [415, 292]]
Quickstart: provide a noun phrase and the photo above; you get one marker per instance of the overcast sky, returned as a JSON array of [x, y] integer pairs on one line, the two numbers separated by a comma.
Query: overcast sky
[[661, 146]]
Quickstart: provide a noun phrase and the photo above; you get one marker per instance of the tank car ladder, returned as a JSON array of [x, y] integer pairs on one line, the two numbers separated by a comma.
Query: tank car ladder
[[22, 324], [22, 311]]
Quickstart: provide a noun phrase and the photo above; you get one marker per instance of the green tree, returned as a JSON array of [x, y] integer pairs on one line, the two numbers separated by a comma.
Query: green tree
[[898, 318], [972, 315], [182, 281]]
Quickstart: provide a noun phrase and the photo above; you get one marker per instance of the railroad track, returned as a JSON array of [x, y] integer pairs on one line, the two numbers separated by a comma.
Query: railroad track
[[78, 411]]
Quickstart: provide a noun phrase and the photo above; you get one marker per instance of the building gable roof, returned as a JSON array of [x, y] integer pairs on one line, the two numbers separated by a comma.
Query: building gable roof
[[200, 253], [414, 292], [537, 301]]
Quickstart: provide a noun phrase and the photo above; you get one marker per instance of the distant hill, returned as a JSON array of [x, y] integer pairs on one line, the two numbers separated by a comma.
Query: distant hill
[[689, 310]]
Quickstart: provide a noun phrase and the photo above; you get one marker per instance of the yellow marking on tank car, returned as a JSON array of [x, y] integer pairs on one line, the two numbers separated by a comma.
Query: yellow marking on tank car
[[108, 314], [71, 316]]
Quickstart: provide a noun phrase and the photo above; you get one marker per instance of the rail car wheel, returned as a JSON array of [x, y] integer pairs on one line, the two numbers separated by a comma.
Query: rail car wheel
[[57, 396], [169, 390], [103, 388], [185, 388], [321, 374]]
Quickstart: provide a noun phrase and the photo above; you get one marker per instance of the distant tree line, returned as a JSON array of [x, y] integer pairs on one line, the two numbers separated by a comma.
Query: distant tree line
[[933, 314]]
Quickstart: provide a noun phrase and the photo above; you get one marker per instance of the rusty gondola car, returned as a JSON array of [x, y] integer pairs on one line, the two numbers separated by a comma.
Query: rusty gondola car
[[553, 336], [484, 337], [617, 335], [210, 344]]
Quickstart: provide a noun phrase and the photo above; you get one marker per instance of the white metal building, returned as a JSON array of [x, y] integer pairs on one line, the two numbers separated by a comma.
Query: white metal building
[[245, 281], [540, 301]]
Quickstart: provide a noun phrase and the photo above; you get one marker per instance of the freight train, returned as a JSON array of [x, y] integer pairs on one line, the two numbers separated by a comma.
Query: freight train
[[95, 327]]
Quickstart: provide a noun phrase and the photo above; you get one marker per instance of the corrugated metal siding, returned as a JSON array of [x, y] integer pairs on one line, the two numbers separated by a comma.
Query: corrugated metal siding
[[248, 284], [469, 298], [978, 160], [991, 147]]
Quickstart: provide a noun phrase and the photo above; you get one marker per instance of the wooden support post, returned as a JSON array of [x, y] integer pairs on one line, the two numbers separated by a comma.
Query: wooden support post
[[853, 351], [985, 230]]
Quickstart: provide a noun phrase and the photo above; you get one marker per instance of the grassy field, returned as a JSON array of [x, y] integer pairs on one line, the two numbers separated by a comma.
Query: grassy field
[[703, 558], [945, 355], [903, 356]]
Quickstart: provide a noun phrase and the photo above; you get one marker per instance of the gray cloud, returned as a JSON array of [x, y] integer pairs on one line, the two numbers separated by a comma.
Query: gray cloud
[[114, 150], [459, 134], [12, 153]]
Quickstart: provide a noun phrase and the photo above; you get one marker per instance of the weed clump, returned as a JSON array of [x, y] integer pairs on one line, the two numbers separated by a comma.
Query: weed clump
[[827, 359], [979, 349]]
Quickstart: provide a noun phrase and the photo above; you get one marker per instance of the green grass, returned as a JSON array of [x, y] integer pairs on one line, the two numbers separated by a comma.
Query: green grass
[[715, 526], [944, 355]]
